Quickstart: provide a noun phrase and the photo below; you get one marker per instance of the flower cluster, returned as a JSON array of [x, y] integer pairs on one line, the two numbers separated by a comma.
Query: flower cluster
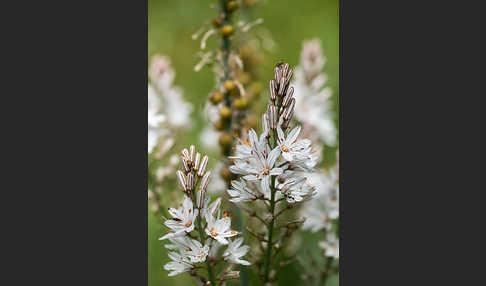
[[255, 160], [197, 231], [167, 110], [313, 106], [314, 112], [272, 167], [325, 208]]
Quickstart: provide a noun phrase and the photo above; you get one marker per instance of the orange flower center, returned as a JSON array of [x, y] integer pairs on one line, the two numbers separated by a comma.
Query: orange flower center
[[266, 171], [213, 232], [188, 223], [285, 148]]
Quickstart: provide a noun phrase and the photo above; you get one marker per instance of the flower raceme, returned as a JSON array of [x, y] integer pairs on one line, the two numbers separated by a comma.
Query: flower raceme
[[272, 167], [186, 223]]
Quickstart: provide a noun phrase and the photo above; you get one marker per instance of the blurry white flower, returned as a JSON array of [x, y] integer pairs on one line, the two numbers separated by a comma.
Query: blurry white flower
[[217, 185], [209, 138], [219, 229], [167, 110], [182, 220], [161, 73], [179, 264], [320, 212], [312, 101], [311, 59], [155, 119], [235, 251], [330, 245], [240, 192]]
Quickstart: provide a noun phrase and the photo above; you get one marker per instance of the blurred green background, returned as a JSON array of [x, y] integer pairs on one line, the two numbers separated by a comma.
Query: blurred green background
[[170, 26]]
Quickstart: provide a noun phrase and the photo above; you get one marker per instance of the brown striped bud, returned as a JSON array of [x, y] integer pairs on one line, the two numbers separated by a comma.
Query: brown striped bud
[[196, 161], [182, 179], [190, 182], [272, 90], [202, 168]]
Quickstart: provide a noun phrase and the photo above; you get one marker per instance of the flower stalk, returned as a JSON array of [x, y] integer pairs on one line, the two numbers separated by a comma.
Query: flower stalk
[[270, 234]]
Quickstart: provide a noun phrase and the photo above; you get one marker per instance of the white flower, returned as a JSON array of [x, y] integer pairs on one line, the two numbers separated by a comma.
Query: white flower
[[313, 106], [330, 245], [294, 188], [182, 220], [291, 147], [235, 251], [165, 98], [160, 72], [155, 119], [259, 167], [317, 217], [219, 229], [179, 264], [208, 209], [324, 208], [251, 148], [240, 192], [190, 248], [178, 111]]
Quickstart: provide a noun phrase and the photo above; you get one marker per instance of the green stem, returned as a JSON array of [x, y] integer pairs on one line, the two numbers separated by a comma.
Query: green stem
[[270, 233], [201, 237], [225, 48]]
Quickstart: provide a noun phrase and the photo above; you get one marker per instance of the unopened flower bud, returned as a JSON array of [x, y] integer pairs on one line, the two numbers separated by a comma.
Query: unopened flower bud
[[288, 97], [196, 161], [218, 124], [265, 123], [281, 87], [231, 275], [205, 181], [289, 75], [272, 116], [190, 182], [202, 168], [273, 94], [225, 112], [185, 153], [227, 30], [229, 85], [285, 69], [216, 97], [289, 110], [231, 6], [192, 150], [276, 72], [182, 179], [185, 165]]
